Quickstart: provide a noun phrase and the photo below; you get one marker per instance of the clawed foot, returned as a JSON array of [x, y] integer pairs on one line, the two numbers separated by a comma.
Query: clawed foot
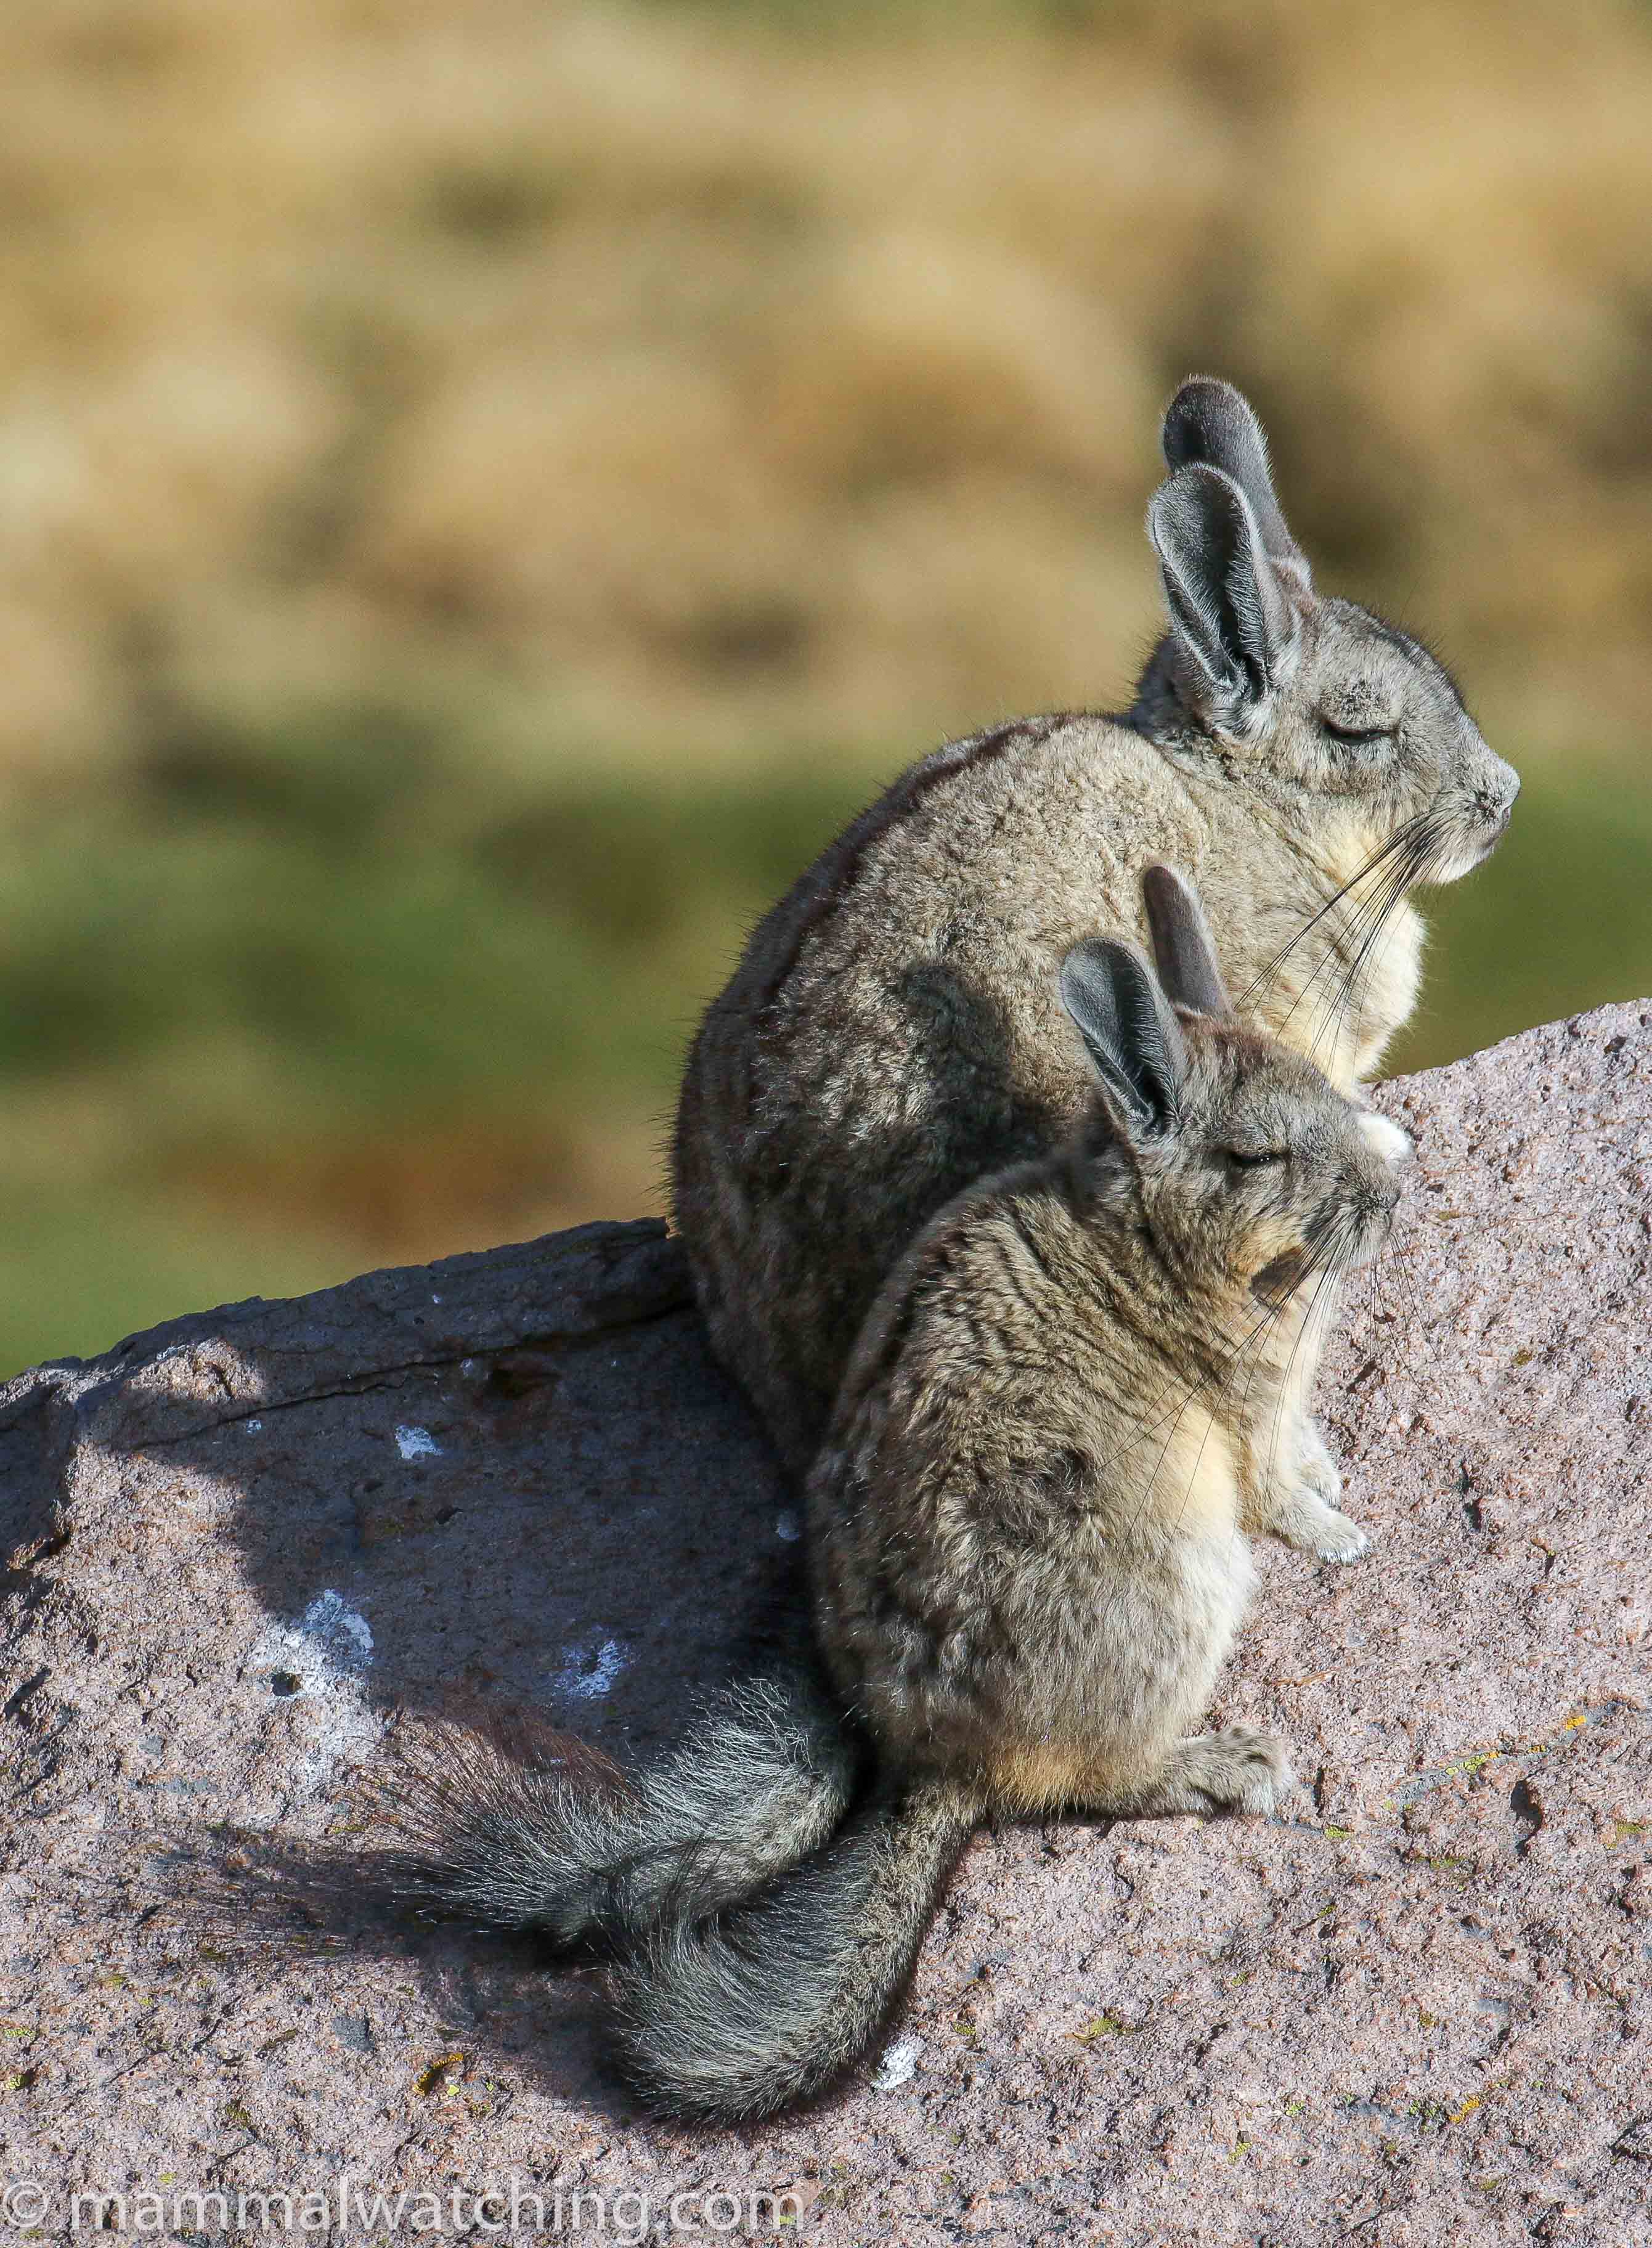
[[1315, 1466], [1309, 1518], [1241, 1768], [1334, 1537], [1306, 1522]]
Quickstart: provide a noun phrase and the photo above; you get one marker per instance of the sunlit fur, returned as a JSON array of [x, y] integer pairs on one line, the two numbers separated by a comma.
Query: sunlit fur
[[890, 1032], [1078, 1397], [1080, 1391], [1080, 1386], [1422, 802]]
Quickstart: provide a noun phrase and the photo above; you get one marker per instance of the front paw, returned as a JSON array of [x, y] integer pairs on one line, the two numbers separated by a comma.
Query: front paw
[[1306, 1522], [1241, 1768], [1315, 1466], [1336, 1536]]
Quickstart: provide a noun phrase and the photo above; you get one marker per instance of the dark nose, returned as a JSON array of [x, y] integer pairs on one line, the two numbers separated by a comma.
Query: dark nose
[[1499, 806], [1379, 1191]]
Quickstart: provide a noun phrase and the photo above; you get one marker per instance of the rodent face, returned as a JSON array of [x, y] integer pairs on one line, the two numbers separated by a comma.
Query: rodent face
[[1302, 697], [1368, 717], [1271, 1177]]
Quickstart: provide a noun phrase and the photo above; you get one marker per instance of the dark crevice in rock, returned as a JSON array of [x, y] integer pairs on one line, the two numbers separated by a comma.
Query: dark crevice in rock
[[31, 1686], [1528, 1813], [1473, 1514], [517, 1367]]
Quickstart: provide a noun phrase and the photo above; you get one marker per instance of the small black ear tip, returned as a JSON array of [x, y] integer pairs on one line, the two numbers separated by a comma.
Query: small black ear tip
[[1192, 495], [1183, 948], [1204, 408], [1167, 895], [1208, 425], [1195, 389], [1212, 481], [1091, 957], [1160, 882], [1173, 907]]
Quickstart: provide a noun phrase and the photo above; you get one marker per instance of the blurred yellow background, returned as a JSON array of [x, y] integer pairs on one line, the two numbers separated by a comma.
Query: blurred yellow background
[[485, 488]]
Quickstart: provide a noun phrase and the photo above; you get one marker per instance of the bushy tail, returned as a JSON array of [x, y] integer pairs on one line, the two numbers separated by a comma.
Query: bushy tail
[[733, 2018], [525, 1830]]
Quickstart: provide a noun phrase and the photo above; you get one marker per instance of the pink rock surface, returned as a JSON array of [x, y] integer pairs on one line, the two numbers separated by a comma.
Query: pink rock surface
[[1414, 2010]]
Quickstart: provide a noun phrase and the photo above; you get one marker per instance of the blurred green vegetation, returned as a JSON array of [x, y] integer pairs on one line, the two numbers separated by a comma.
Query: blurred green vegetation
[[311, 983], [1558, 921], [318, 984], [485, 490]]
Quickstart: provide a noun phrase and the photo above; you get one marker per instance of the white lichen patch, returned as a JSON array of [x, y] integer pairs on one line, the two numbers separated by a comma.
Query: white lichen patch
[[587, 1673], [330, 1640], [898, 2066], [414, 1442], [342, 1633], [316, 1666]]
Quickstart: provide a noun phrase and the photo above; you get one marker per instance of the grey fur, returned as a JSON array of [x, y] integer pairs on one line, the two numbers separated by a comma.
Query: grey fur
[[1080, 1390], [1182, 943], [514, 1834], [1229, 606], [1129, 1029], [892, 1032], [1209, 420], [735, 2018]]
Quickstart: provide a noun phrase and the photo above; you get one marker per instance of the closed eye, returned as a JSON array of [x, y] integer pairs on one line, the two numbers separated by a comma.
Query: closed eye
[[1359, 733], [1251, 1159]]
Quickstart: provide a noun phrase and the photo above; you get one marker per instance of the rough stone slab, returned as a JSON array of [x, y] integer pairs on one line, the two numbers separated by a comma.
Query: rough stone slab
[[1415, 2010]]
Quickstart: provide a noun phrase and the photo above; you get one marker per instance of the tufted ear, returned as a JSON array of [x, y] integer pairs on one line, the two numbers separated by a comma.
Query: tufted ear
[[1229, 611], [1183, 945], [1211, 421], [1131, 1032]]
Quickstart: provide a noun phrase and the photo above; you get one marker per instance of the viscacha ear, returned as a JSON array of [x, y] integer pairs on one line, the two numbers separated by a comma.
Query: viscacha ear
[[1210, 421], [1183, 948], [1228, 609], [1131, 1033]]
